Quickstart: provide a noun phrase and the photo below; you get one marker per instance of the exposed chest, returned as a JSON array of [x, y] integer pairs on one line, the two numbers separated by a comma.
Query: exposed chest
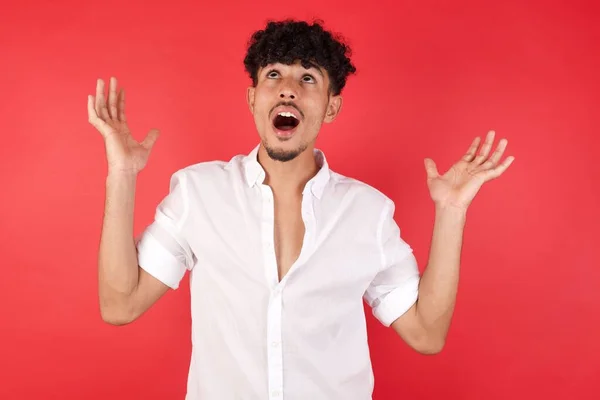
[[289, 230]]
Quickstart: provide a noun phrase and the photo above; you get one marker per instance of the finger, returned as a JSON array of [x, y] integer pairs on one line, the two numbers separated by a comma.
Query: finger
[[431, 168], [498, 170], [112, 98], [98, 98], [499, 151], [493, 161], [101, 110], [485, 149], [93, 118], [150, 139], [468, 157], [121, 114]]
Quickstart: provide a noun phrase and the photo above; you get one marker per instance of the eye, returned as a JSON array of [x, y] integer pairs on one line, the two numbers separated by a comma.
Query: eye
[[272, 74], [308, 79]]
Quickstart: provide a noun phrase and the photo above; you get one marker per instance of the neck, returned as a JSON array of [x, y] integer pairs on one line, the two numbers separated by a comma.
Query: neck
[[290, 177]]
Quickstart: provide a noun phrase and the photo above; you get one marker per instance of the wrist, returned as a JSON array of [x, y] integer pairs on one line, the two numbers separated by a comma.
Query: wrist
[[121, 179], [121, 174], [452, 212]]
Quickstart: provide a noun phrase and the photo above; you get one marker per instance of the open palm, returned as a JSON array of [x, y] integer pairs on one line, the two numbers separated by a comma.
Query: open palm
[[459, 185], [123, 152]]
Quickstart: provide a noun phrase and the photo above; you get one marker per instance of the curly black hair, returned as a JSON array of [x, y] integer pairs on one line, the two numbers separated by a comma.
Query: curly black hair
[[289, 41]]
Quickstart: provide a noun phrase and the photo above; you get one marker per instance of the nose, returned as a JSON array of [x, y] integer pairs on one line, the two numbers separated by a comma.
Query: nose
[[288, 90], [284, 95]]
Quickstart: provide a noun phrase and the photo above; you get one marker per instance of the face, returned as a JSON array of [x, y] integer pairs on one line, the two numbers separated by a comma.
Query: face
[[289, 104]]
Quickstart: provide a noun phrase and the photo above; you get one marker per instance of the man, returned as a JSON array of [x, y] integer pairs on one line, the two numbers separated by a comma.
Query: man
[[281, 249]]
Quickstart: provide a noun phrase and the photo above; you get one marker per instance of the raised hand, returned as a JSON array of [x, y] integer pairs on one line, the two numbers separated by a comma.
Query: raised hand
[[123, 153], [459, 185]]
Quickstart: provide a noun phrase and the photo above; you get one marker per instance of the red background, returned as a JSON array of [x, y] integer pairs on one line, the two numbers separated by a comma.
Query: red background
[[431, 77]]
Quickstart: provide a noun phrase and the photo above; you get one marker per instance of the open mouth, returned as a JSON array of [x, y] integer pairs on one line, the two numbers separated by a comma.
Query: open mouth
[[285, 121]]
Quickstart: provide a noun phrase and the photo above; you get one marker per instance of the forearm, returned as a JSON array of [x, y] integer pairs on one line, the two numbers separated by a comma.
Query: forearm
[[439, 282], [117, 258]]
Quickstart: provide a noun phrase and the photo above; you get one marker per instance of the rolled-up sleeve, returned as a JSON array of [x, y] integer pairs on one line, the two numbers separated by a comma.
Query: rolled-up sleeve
[[162, 248], [395, 288]]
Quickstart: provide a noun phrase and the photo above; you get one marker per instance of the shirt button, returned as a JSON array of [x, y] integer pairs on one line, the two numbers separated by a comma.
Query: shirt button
[[275, 393], [275, 344]]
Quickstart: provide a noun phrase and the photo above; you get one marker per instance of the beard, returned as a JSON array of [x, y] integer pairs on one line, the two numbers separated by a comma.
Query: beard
[[284, 155]]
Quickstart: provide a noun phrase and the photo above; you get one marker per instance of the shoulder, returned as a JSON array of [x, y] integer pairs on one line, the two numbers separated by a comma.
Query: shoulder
[[204, 169], [210, 172], [361, 192]]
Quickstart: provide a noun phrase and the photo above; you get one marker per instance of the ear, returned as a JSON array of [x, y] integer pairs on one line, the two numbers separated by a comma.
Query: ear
[[333, 108], [250, 98]]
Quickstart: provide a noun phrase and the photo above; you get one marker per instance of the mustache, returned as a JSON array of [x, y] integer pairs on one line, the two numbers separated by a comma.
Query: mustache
[[287, 104]]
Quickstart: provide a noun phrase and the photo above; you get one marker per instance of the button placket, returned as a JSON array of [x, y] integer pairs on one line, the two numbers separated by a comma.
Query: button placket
[[274, 308]]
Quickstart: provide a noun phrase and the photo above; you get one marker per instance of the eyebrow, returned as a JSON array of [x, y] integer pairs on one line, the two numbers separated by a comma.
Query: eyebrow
[[315, 66], [311, 66]]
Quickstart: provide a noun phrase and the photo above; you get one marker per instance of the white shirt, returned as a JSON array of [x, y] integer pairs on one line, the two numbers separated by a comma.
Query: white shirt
[[254, 337]]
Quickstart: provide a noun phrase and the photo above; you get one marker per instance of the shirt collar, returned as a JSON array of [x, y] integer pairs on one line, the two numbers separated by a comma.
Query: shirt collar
[[255, 174]]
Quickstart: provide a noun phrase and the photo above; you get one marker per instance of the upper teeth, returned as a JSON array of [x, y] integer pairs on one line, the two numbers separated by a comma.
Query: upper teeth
[[287, 114]]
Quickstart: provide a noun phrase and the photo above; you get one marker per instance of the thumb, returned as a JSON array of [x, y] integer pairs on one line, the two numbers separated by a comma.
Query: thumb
[[431, 168], [150, 139]]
